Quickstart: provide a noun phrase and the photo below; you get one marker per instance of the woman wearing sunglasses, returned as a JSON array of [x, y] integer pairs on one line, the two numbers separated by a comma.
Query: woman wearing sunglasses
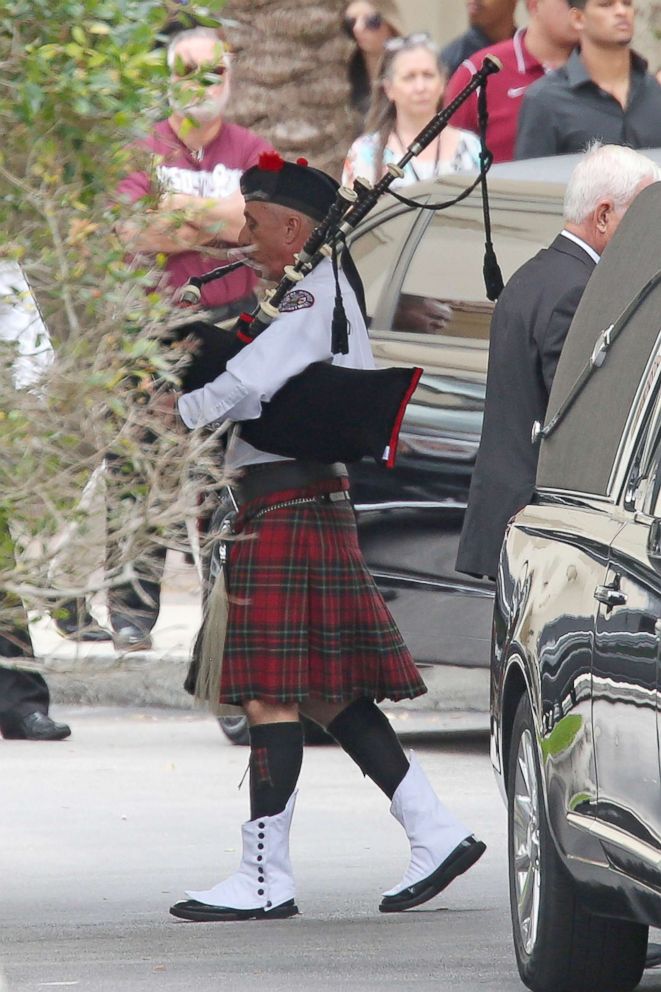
[[407, 94], [370, 26]]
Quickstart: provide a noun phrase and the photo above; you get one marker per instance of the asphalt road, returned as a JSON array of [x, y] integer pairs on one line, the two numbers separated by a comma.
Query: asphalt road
[[99, 834]]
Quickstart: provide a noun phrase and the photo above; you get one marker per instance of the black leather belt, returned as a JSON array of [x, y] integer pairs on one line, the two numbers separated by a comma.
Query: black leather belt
[[261, 480]]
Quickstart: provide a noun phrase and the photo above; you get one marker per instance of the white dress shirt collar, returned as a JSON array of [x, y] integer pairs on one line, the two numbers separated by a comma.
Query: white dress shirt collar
[[581, 244]]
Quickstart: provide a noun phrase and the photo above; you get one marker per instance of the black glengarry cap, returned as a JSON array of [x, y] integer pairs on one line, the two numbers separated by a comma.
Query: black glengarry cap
[[291, 184]]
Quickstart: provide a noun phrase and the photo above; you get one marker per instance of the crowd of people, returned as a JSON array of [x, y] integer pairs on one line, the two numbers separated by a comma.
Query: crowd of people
[[569, 77], [307, 630]]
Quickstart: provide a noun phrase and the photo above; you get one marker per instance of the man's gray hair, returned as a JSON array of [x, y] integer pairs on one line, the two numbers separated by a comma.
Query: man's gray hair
[[198, 32], [606, 172]]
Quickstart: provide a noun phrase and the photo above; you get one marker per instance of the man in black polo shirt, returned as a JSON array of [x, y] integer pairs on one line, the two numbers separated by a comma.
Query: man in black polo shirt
[[604, 91], [490, 21]]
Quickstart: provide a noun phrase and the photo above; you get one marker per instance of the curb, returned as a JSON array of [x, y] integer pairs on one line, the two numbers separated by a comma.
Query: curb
[[140, 679]]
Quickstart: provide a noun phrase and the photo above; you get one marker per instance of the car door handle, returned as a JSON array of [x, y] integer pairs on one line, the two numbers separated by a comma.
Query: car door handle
[[610, 596]]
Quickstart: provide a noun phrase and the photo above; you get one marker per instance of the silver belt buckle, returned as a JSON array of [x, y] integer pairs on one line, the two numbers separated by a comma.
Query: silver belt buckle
[[338, 496]]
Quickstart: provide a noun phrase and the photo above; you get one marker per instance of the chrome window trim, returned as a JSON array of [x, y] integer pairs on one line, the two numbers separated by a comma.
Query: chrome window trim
[[576, 494], [615, 835], [411, 504], [419, 581], [645, 395]]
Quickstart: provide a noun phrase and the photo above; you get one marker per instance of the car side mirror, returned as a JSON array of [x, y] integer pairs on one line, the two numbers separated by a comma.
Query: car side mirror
[[654, 542]]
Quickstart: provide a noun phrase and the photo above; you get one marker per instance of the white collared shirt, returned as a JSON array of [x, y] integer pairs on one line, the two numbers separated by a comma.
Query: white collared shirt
[[581, 244]]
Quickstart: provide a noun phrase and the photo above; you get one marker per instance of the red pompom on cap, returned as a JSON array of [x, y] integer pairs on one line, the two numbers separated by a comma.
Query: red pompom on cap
[[302, 161], [270, 162]]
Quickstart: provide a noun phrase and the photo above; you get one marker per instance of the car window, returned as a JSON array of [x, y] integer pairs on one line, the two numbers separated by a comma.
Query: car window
[[651, 496], [643, 486], [376, 248], [443, 290]]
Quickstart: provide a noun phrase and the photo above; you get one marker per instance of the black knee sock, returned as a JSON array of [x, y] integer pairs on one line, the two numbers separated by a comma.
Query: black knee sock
[[365, 733], [276, 755]]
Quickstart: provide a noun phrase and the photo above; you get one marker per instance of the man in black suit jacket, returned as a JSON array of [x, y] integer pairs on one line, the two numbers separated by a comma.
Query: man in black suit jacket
[[528, 330]]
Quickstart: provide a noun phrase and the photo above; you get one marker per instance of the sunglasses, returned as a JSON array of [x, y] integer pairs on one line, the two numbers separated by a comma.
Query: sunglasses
[[409, 41], [204, 75], [371, 22]]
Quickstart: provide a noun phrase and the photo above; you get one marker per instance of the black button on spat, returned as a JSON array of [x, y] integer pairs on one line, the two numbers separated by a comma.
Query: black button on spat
[[260, 847], [260, 892]]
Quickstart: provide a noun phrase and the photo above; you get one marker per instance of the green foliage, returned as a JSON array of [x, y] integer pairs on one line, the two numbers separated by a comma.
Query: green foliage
[[81, 81]]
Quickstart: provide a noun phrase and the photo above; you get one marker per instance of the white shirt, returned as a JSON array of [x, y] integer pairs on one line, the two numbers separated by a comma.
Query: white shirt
[[21, 322], [581, 244], [295, 339]]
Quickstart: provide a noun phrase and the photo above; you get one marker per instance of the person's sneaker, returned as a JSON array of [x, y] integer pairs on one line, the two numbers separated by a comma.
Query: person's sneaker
[[33, 727], [87, 630], [75, 622]]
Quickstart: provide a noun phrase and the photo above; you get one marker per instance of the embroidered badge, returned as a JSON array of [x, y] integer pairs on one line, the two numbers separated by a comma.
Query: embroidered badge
[[296, 299]]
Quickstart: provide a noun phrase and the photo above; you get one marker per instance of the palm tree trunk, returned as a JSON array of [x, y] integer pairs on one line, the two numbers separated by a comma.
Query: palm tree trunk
[[290, 80], [648, 32]]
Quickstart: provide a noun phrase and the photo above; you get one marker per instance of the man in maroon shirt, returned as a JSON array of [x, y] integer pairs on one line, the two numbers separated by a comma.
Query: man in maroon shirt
[[197, 160], [545, 44], [490, 21]]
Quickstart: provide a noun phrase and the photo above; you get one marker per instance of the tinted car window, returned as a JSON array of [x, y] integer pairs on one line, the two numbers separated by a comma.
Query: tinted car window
[[644, 484], [443, 290], [376, 251]]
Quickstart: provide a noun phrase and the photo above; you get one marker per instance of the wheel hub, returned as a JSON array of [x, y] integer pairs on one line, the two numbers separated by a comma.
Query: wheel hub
[[526, 842]]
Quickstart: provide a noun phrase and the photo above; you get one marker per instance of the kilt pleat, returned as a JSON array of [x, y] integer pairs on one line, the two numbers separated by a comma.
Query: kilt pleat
[[305, 615]]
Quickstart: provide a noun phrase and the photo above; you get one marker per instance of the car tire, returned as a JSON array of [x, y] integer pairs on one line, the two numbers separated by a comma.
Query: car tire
[[236, 730], [560, 946]]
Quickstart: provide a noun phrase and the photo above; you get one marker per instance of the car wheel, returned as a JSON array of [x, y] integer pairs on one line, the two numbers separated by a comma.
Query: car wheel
[[235, 729], [560, 946]]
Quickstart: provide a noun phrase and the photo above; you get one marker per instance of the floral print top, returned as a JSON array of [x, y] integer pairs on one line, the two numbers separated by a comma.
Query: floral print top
[[361, 161]]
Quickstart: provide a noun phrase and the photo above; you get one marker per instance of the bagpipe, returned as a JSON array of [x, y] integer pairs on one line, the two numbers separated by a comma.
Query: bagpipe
[[329, 413]]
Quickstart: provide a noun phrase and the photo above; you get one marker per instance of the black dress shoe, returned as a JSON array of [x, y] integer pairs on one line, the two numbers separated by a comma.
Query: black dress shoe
[[85, 629], [457, 862], [130, 638], [33, 727], [201, 912]]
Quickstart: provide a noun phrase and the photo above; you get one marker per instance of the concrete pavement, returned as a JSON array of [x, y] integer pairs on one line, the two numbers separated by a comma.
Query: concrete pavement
[[101, 833]]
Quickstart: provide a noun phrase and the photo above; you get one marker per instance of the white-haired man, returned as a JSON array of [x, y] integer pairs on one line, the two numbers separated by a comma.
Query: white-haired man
[[198, 159], [528, 330]]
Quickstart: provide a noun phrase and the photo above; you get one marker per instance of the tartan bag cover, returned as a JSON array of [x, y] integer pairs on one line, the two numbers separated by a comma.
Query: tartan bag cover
[[305, 615]]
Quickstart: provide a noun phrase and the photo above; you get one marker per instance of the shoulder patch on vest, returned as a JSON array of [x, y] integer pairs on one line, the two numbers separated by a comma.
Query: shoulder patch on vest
[[296, 299]]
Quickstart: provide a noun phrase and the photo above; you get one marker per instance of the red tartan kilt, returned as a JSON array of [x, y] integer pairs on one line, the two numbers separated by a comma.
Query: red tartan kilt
[[305, 616]]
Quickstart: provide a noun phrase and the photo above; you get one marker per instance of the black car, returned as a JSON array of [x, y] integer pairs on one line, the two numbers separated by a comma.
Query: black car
[[575, 674], [427, 306]]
